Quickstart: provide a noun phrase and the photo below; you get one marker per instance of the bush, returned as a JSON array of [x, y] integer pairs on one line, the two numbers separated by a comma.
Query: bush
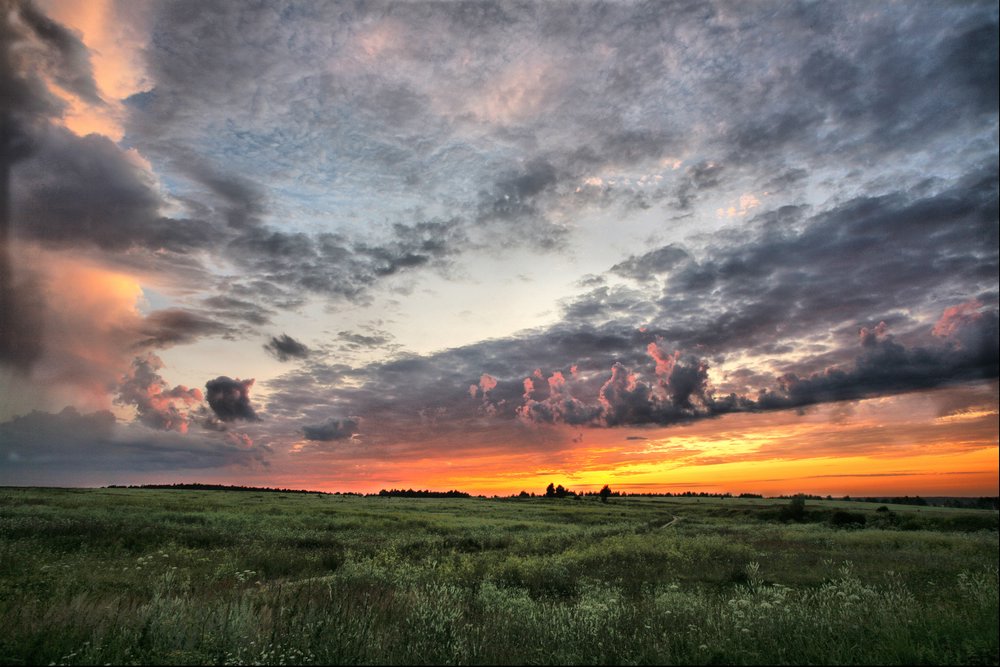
[[848, 519], [795, 510]]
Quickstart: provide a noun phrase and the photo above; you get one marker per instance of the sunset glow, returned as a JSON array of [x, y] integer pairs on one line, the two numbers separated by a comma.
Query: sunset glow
[[346, 247]]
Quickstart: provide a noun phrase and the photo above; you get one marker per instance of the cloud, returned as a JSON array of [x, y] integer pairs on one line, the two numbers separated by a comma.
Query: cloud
[[241, 310], [21, 331], [67, 58], [644, 382], [335, 266], [792, 276], [157, 405], [885, 367], [285, 347], [75, 190], [357, 340], [490, 119], [332, 429], [35, 446], [230, 399], [171, 326]]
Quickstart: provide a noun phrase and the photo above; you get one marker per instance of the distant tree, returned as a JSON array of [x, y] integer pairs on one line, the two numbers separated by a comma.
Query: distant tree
[[560, 491], [523, 494], [795, 510], [550, 490], [605, 492]]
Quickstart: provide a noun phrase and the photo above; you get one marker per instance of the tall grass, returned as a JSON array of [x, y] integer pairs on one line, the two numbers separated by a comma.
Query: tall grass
[[182, 577]]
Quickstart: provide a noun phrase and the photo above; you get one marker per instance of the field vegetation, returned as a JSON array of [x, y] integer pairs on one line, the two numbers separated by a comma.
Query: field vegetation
[[140, 576]]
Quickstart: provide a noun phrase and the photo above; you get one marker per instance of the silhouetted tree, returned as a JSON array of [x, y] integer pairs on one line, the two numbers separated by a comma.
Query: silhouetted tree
[[795, 510], [560, 491], [605, 492], [550, 490]]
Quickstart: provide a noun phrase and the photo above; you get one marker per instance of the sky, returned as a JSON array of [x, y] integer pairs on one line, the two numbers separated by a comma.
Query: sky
[[746, 247]]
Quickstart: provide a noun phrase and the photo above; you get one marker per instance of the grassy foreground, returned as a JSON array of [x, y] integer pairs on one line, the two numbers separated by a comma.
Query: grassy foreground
[[175, 577]]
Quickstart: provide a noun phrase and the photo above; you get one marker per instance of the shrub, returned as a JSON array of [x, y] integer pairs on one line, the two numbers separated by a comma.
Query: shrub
[[795, 510], [842, 518]]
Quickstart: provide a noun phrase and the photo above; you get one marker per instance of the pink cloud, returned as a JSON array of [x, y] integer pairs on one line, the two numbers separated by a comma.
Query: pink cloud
[[487, 382], [957, 317], [156, 404]]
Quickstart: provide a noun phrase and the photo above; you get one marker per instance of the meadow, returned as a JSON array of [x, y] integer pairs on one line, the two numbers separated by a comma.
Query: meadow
[[137, 576]]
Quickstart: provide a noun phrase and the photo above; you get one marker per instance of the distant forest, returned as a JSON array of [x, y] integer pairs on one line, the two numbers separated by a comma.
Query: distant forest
[[559, 491]]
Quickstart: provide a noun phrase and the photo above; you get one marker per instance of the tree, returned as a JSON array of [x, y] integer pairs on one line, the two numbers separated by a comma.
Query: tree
[[795, 510], [550, 490], [605, 492], [560, 491]]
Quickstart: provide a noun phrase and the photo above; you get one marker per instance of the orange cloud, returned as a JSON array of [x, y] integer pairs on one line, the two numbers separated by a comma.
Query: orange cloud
[[115, 47], [90, 330]]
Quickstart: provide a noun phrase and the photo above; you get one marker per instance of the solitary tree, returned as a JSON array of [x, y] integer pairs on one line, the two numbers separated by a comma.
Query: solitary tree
[[795, 509], [605, 493]]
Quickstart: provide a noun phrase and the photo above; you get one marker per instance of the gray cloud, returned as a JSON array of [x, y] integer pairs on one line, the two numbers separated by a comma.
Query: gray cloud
[[797, 276], [284, 347], [38, 444], [332, 429], [171, 326], [230, 399], [84, 189]]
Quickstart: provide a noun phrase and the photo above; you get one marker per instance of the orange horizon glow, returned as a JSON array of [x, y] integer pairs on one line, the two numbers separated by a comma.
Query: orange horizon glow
[[896, 446]]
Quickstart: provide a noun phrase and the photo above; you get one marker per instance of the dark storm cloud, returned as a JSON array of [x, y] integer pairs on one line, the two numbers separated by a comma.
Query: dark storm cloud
[[230, 399], [284, 347], [332, 429], [40, 442]]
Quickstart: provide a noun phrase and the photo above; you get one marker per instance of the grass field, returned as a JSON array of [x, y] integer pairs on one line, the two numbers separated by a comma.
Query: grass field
[[214, 577]]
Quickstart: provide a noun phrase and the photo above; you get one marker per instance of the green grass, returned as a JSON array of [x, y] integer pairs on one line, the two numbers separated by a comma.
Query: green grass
[[126, 576]]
